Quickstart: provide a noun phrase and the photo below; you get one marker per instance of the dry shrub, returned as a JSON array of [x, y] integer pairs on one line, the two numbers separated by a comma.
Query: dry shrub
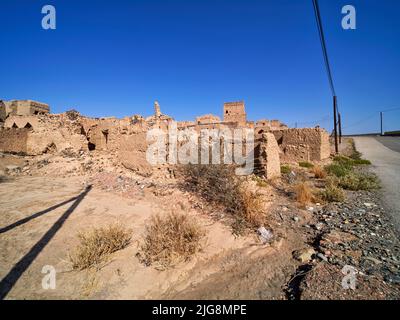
[[97, 244], [304, 194], [169, 240], [219, 185], [252, 207], [319, 172]]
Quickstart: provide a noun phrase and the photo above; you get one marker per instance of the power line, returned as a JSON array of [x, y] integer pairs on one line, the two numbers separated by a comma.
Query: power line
[[323, 45], [369, 117], [362, 120], [328, 71], [388, 110], [324, 119]]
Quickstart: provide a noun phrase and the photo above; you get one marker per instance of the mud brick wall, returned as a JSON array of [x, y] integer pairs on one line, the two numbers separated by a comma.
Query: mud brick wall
[[266, 156], [13, 140], [307, 144]]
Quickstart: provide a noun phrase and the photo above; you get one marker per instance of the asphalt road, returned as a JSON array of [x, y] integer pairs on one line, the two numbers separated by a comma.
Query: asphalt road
[[392, 143], [384, 153]]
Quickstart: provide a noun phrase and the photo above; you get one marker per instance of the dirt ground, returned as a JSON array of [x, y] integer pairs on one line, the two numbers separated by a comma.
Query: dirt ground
[[48, 201], [213, 273]]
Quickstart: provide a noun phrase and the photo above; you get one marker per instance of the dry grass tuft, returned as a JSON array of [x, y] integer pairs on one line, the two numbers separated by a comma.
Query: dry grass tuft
[[304, 194], [97, 244], [252, 207], [319, 172], [170, 240]]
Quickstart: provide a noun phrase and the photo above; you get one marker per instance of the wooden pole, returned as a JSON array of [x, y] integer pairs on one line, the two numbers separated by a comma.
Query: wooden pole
[[340, 128], [335, 124]]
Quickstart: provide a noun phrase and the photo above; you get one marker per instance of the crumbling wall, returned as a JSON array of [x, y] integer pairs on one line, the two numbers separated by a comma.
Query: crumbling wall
[[266, 156], [265, 125], [3, 111], [13, 140], [14, 121], [132, 152], [207, 118], [48, 132], [306, 144]]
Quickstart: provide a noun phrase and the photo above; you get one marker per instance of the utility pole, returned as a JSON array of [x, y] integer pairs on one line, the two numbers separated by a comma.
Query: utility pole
[[381, 123], [340, 128], [335, 124]]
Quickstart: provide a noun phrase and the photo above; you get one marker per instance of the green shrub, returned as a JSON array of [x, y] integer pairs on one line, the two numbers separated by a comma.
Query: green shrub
[[357, 162], [359, 181], [305, 164], [343, 160], [356, 155], [260, 182], [285, 169], [338, 169], [350, 162], [333, 193]]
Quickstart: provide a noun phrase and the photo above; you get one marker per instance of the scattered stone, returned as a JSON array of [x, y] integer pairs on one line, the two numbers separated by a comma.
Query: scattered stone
[[369, 205], [376, 261], [265, 235], [304, 255], [322, 256], [12, 169], [319, 226]]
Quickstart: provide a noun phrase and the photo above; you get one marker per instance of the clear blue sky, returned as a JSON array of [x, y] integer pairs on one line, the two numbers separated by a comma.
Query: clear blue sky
[[116, 57]]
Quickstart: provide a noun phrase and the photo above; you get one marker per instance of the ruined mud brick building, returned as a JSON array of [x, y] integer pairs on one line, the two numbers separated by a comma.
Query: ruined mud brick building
[[22, 108], [306, 144], [30, 129]]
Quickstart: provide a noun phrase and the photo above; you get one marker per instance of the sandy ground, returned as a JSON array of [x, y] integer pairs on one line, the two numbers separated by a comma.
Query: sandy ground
[[386, 164], [41, 216]]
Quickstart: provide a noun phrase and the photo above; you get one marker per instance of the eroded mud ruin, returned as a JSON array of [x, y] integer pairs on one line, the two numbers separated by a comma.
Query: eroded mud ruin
[[29, 128]]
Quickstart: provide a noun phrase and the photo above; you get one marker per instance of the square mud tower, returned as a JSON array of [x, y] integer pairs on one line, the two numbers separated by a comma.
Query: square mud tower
[[234, 112]]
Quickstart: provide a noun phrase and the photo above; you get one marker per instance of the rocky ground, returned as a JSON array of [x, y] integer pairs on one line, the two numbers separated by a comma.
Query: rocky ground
[[354, 234]]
